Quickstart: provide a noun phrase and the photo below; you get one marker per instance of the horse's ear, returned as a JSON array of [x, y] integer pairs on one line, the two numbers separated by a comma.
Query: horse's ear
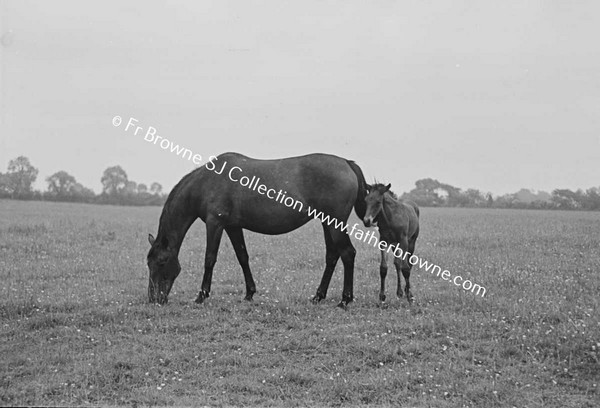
[[151, 239], [369, 187], [388, 187]]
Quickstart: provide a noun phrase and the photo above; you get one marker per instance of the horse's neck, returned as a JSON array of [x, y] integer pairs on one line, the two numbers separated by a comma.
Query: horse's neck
[[387, 209], [175, 221], [392, 207]]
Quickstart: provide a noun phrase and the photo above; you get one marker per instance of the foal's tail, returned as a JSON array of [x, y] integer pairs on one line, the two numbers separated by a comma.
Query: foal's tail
[[360, 206], [417, 211]]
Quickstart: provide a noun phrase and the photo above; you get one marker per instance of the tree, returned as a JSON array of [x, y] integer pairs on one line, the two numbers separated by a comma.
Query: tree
[[130, 188], [430, 192], [592, 199], [142, 188], [565, 199], [20, 176], [5, 189], [61, 184], [114, 180], [81, 193], [475, 198], [505, 201], [155, 188], [456, 198], [425, 193]]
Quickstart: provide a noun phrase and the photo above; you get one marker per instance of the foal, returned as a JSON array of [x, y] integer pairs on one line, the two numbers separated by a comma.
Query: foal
[[398, 223]]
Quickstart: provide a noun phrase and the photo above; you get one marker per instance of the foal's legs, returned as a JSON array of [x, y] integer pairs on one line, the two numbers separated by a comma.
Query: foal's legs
[[385, 237], [400, 263], [236, 235], [383, 273], [407, 267], [214, 232]]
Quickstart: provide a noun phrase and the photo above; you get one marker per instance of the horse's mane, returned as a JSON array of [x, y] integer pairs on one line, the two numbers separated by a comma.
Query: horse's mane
[[378, 185], [175, 192]]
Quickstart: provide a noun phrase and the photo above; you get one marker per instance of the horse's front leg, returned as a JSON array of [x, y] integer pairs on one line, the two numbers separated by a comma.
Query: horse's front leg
[[383, 273], [236, 235], [214, 232]]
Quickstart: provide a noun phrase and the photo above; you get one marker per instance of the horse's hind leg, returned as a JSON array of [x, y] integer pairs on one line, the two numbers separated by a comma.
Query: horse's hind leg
[[236, 236], [383, 273], [214, 232], [331, 257], [347, 253], [406, 267], [400, 264], [338, 245]]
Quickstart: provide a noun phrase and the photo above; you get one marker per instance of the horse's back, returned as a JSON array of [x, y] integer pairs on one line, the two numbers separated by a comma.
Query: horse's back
[[414, 214], [307, 177], [274, 195], [405, 218], [413, 205]]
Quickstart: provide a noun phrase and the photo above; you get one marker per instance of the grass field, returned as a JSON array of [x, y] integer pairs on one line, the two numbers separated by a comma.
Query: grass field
[[76, 328]]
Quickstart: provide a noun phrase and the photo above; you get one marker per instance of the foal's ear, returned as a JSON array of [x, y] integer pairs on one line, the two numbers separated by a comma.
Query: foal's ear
[[151, 239], [369, 188], [388, 186]]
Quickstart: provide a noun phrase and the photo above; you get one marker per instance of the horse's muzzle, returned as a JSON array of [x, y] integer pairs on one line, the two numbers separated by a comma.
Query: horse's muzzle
[[369, 222], [159, 293]]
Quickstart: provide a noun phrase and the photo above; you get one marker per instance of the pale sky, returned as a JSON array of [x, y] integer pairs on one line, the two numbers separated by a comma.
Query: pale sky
[[494, 95]]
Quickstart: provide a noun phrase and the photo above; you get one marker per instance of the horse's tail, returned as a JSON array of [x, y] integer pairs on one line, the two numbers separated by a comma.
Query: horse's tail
[[360, 206], [416, 207]]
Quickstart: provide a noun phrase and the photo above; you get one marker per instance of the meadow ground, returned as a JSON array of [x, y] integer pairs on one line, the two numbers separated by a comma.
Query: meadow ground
[[76, 328]]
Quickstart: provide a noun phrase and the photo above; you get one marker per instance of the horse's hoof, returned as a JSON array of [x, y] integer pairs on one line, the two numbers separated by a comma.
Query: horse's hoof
[[382, 298], [317, 298], [250, 294], [346, 300], [202, 295]]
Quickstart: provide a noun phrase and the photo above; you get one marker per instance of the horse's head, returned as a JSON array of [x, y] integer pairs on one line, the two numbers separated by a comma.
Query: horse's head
[[164, 268], [374, 201]]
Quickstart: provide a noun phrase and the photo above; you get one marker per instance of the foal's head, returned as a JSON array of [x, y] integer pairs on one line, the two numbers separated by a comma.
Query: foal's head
[[164, 268], [374, 202]]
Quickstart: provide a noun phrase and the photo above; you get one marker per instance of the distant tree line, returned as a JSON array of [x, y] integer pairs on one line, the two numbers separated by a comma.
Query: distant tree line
[[17, 183], [431, 193]]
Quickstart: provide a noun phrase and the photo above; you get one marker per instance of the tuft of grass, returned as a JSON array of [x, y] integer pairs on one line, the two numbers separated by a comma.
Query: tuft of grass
[[27, 230]]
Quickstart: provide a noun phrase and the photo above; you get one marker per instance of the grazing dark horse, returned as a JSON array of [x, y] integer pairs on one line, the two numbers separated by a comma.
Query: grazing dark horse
[[398, 223], [233, 192]]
